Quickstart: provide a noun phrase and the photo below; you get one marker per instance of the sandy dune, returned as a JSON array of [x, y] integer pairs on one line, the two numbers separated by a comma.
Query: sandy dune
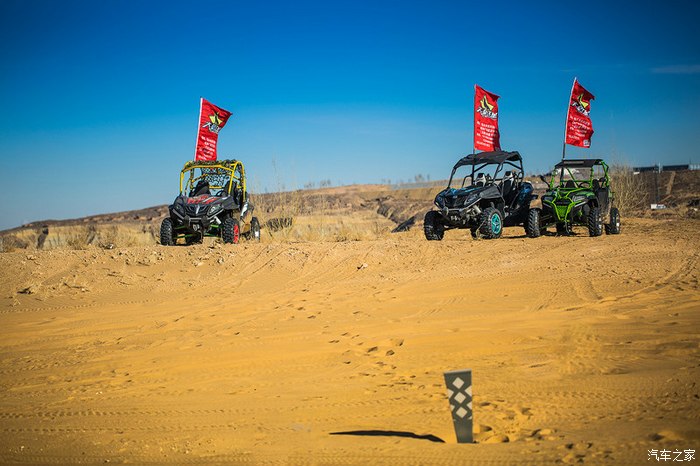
[[582, 349]]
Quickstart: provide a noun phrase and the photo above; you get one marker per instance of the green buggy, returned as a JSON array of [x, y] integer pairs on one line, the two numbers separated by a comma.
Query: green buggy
[[578, 193]]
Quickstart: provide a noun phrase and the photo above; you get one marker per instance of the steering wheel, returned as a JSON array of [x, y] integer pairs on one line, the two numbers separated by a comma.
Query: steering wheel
[[584, 184]]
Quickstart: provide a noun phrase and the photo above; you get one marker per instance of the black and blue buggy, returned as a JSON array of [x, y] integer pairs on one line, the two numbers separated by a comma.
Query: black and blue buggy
[[486, 192]]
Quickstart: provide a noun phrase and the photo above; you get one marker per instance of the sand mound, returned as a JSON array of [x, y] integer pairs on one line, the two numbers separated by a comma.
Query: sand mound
[[582, 349]]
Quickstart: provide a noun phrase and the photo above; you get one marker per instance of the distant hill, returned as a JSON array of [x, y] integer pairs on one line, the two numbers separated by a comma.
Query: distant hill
[[330, 213]]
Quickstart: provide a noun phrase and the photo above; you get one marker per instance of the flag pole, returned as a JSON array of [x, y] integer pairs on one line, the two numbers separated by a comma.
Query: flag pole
[[199, 119], [566, 123], [474, 125]]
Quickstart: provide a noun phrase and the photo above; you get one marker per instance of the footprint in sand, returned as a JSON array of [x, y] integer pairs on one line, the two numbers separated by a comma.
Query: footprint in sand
[[516, 414], [577, 452], [496, 439], [541, 434], [485, 434], [666, 435], [391, 343]]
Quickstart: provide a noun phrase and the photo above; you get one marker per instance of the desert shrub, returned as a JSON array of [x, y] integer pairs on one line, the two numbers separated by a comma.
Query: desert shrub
[[279, 223], [9, 243], [80, 237], [350, 233], [378, 230], [116, 236], [631, 194]]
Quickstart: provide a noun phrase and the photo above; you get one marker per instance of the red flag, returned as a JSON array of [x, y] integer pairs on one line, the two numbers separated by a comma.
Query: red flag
[[211, 120], [579, 128], [486, 135]]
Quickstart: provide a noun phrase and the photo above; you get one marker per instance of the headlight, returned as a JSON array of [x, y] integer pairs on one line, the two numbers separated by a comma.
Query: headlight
[[214, 209], [547, 198], [440, 202], [579, 198], [471, 199]]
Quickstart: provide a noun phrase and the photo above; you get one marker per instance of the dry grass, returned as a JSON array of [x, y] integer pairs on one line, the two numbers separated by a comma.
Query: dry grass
[[9, 243], [339, 214], [332, 226], [631, 193], [316, 215], [79, 237]]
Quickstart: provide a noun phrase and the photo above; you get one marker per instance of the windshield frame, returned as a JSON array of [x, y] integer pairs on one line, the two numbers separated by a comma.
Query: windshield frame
[[232, 169], [479, 167]]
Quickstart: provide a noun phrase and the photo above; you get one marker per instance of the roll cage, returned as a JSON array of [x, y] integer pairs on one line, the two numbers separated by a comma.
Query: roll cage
[[225, 177], [483, 159], [573, 167]]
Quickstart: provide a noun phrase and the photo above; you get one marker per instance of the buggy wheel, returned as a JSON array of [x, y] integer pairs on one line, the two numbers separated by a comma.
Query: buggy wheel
[[613, 228], [231, 230], [254, 233], [432, 226], [167, 237], [474, 232], [491, 224], [532, 225], [595, 222], [561, 229]]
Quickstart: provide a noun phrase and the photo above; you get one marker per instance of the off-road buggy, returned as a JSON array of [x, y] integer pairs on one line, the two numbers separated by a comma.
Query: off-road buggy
[[486, 195], [578, 194], [213, 201]]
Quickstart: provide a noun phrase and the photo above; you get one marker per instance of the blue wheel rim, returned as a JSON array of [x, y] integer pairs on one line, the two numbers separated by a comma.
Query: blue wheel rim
[[496, 224]]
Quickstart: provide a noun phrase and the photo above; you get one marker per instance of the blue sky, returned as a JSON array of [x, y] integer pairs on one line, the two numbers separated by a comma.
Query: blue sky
[[100, 99]]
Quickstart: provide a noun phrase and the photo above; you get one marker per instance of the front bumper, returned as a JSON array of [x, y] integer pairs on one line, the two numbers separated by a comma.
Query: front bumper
[[460, 216], [564, 211], [193, 225]]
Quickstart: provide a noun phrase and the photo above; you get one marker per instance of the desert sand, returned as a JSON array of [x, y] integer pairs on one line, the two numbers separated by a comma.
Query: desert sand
[[583, 350]]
